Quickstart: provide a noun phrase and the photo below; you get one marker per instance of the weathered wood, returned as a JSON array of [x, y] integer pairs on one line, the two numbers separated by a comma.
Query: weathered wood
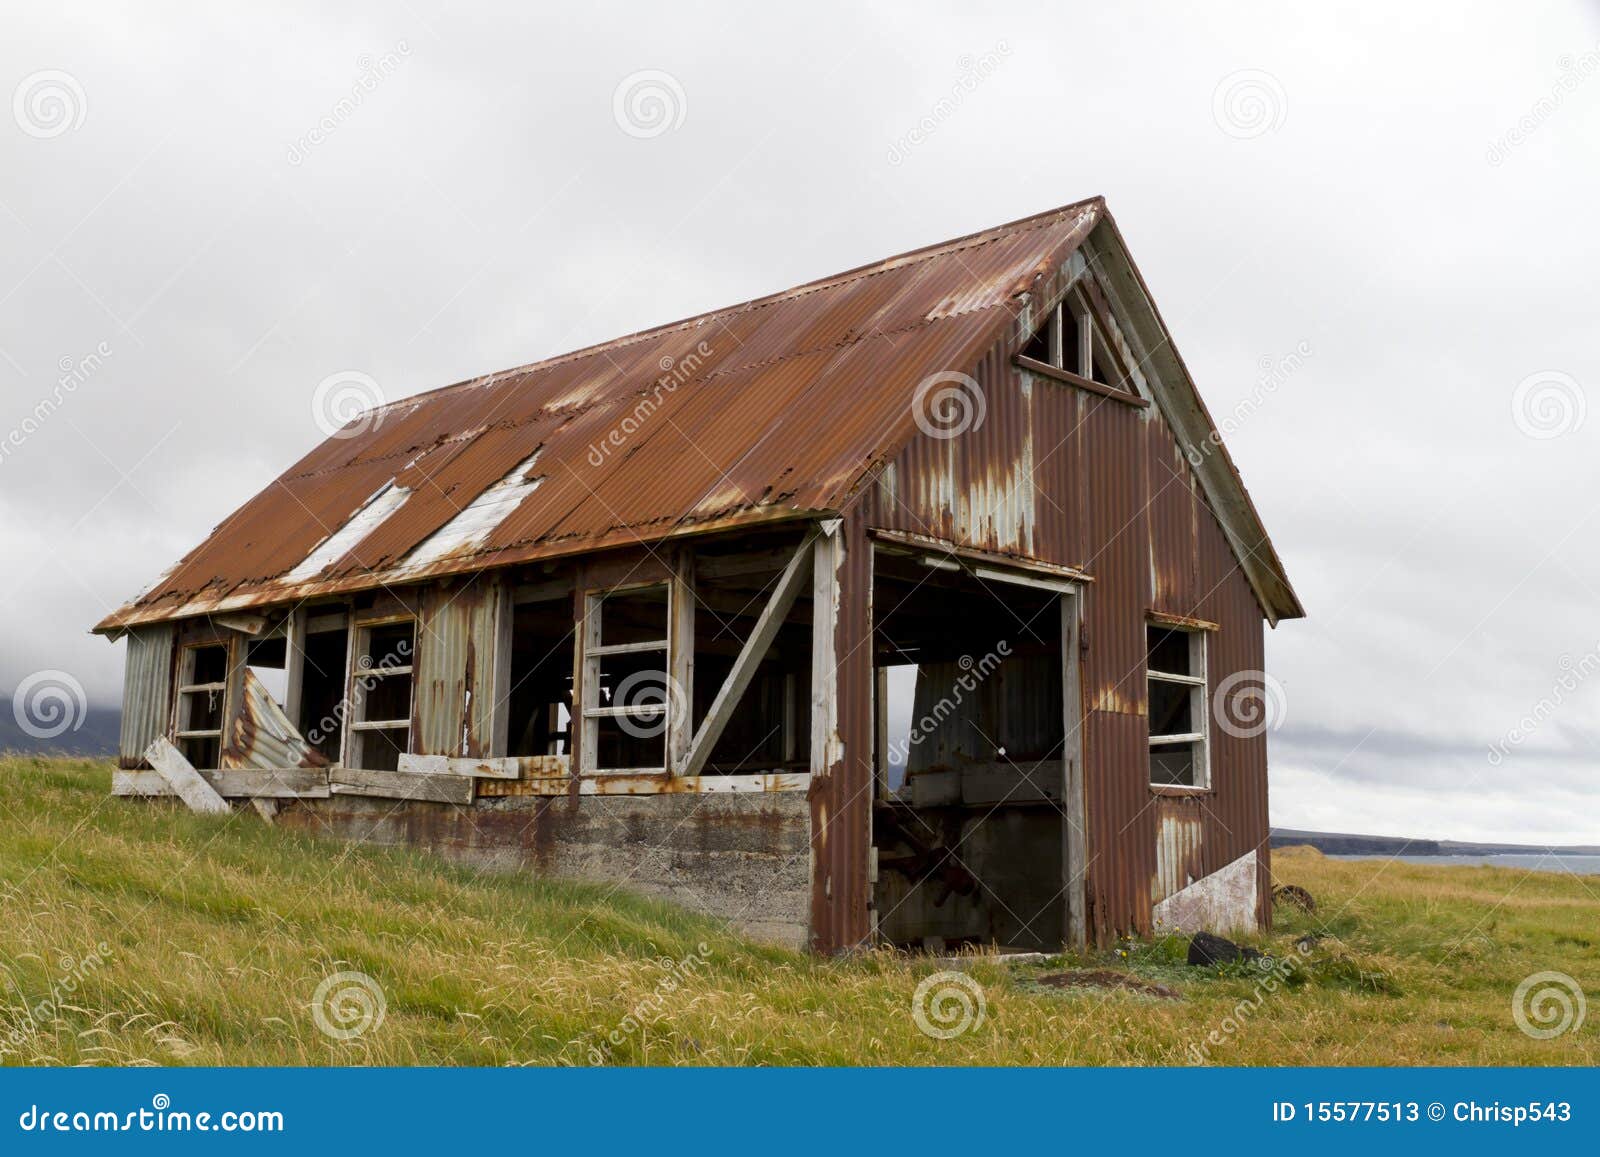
[[750, 656], [825, 608], [1067, 377], [184, 780], [294, 658], [1007, 783], [408, 785], [680, 659], [242, 622], [647, 783], [503, 767], [241, 783], [265, 808]]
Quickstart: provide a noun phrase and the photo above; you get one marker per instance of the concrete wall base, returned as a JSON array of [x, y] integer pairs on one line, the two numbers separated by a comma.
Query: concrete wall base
[[741, 857]]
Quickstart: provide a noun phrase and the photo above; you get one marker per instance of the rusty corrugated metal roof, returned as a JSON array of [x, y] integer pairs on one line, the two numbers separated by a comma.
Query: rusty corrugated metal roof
[[769, 409]]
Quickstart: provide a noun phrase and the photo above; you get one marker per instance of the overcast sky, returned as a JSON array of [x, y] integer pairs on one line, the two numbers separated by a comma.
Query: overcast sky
[[1407, 201]]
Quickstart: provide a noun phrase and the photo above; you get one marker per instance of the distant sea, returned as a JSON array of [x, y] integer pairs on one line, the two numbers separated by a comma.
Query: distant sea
[[1569, 865]]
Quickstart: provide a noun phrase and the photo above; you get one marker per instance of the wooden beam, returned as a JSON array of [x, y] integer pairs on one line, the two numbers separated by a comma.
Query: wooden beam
[[246, 624], [680, 659], [240, 783], [825, 608], [407, 785], [503, 767], [750, 656], [183, 778], [294, 661], [1067, 377]]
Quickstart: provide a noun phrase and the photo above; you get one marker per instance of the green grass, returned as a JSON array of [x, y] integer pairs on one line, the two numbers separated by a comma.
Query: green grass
[[188, 940]]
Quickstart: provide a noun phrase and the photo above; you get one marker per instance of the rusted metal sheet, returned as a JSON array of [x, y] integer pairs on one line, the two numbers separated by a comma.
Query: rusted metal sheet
[[259, 734], [737, 416], [1114, 497], [459, 649], [1179, 846], [146, 691]]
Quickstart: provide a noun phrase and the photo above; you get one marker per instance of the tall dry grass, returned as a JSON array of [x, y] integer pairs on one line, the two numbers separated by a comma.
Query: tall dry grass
[[137, 933]]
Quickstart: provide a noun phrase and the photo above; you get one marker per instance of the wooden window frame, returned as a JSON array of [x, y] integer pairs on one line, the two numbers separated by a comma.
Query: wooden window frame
[[590, 712], [357, 726], [187, 687], [1199, 709], [1077, 308]]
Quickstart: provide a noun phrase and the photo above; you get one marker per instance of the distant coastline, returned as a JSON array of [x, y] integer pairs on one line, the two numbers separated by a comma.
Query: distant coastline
[[1345, 844]]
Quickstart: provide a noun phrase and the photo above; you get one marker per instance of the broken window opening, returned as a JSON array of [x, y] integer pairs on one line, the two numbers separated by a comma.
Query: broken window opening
[[539, 702], [202, 693], [1176, 675], [628, 698], [268, 660], [380, 696], [323, 660], [1072, 337], [769, 728]]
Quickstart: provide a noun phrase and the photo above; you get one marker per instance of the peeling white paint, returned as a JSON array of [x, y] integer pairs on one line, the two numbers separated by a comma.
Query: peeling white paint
[[380, 506], [473, 525], [1224, 901]]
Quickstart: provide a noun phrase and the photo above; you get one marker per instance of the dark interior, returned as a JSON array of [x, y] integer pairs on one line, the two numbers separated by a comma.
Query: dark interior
[[968, 820]]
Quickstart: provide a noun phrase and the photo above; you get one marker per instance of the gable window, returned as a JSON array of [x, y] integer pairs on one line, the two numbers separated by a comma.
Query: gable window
[[627, 697], [202, 691], [1177, 707], [1073, 337], [380, 693]]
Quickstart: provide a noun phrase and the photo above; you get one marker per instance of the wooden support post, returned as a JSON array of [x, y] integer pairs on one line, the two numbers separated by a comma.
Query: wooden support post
[[824, 665], [680, 660], [750, 656], [294, 663], [184, 779]]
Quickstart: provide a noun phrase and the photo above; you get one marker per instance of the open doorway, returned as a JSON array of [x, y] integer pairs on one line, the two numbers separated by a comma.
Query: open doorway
[[972, 755]]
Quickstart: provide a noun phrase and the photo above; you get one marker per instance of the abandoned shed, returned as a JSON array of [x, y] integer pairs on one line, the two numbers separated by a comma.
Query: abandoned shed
[[906, 605]]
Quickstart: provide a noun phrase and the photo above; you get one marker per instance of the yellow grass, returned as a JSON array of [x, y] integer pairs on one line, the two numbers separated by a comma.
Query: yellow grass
[[136, 933]]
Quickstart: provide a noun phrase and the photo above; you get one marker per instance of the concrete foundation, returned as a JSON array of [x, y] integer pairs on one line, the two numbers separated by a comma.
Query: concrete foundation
[[739, 857]]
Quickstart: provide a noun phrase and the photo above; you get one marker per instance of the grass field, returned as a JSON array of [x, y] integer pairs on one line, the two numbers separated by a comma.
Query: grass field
[[136, 933]]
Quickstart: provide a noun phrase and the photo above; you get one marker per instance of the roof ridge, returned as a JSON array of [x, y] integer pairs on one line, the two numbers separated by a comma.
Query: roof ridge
[[883, 265]]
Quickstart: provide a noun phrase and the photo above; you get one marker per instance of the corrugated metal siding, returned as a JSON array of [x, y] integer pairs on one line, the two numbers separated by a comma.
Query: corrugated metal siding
[[146, 691], [1112, 494], [1180, 845], [458, 633], [1173, 516]]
